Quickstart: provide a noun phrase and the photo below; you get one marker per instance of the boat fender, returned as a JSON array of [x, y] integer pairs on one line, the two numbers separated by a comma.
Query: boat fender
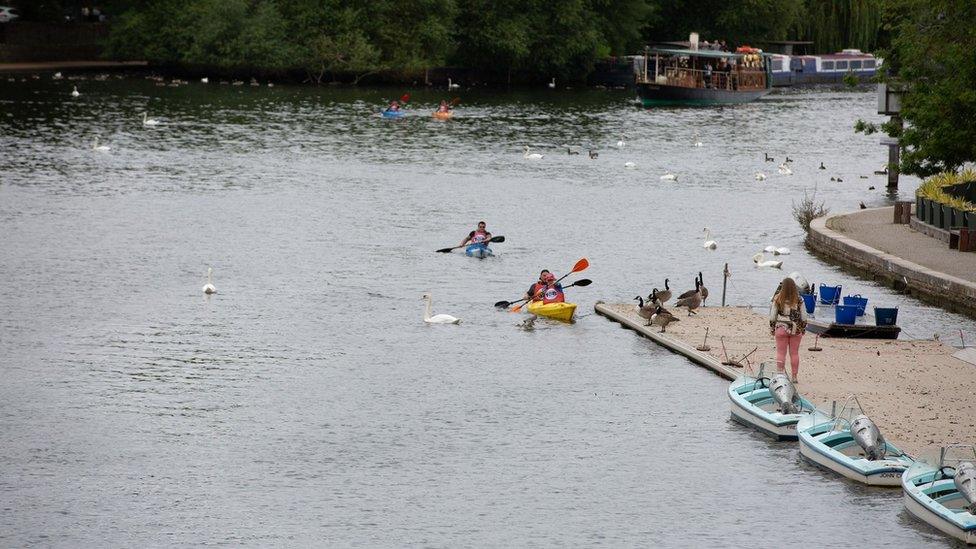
[[965, 481], [868, 437]]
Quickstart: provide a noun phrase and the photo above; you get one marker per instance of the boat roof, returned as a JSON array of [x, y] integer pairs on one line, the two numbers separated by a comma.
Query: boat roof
[[696, 53]]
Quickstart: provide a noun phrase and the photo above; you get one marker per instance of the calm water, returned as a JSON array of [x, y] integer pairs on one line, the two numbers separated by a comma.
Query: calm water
[[308, 404]]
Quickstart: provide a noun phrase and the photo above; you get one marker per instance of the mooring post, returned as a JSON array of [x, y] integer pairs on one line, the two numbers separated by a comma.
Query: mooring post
[[725, 279]]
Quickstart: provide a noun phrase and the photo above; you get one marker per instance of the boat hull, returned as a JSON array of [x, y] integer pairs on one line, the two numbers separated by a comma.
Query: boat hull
[[555, 311], [745, 401], [662, 95], [478, 251], [814, 430], [916, 484], [391, 114], [443, 115]]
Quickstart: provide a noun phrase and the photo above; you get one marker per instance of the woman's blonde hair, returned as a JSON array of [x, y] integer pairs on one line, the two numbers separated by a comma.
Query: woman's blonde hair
[[788, 295]]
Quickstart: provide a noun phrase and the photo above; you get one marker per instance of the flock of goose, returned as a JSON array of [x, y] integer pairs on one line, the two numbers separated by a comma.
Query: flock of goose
[[652, 309]]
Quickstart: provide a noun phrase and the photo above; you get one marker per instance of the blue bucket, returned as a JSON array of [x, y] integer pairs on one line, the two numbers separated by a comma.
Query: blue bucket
[[885, 316], [857, 301], [845, 314], [829, 295], [810, 302]]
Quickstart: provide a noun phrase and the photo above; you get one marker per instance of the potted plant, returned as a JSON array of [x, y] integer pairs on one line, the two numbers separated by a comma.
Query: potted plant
[[920, 207], [935, 213], [946, 215], [971, 217], [958, 208]]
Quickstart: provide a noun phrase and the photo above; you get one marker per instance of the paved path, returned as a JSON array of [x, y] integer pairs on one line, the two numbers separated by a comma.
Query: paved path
[[874, 228]]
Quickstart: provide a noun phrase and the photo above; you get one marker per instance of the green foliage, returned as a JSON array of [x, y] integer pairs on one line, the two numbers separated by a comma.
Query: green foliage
[[834, 25], [850, 79], [932, 48]]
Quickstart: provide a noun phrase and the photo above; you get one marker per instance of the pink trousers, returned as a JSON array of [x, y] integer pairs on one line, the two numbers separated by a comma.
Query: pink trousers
[[785, 340]]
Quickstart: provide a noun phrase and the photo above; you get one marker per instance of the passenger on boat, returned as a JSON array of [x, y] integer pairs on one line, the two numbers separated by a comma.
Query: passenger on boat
[[480, 236], [394, 106], [708, 75], [787, 323], [547, 289], [444, 107]]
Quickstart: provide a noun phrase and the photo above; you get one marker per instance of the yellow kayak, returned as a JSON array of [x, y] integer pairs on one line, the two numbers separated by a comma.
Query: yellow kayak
[[443, 115], [557, 311]]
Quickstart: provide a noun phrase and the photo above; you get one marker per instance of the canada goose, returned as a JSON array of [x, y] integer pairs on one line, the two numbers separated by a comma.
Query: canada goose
[[863, 207], [662, 318], [783, 169], [663, 297], [528, 324], [692, 301], [769, 158], [761, 261], [530, 156], [644, 310], [760, 176], [593, 154], [709, 244], [702, 288], [437, 319], [822, 167], [669, 177], [209, 288], [788, 160], [571, 151]]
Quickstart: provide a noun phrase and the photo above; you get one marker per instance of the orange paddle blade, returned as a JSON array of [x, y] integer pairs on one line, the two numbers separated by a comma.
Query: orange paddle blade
[[518, 308], [581, 265]]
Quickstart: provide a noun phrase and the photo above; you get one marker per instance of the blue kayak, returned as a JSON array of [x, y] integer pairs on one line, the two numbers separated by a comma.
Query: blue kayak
[[480, 251], [391, 114]]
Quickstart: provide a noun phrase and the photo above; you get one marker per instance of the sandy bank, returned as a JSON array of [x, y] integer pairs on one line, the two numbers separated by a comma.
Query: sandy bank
[[917, 392]]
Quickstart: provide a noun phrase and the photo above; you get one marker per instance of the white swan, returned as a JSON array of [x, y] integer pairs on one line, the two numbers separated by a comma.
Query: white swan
[[760, 176], [437, 319], [532, 156], [709, 244], [451, 85], [204, 80], [784, 169], [552, 85], [781, 251], [630, 165], [669, 177], [760, 261], [770, 249], [209, 288], [621, 144], [57, 76], [74, 92], [146, 121], [100, 148], [697, 142]]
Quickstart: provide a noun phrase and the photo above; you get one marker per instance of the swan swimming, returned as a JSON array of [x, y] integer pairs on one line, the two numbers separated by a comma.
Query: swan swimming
[[781, 251], [760, 176], [146, 121], [621, 144], [451, 85], [669, 177], [709, 244], [630, 165], [530, 156], [552, 85], [100, 148], [204, 80], [760, 261], [74, 92], [784, 169], [209, 288], [437, 319], [697, 142]]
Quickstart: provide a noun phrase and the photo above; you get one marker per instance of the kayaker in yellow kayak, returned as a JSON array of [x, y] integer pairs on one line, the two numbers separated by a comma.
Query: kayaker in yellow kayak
[[444, 107], [479, 236], [547, 289]]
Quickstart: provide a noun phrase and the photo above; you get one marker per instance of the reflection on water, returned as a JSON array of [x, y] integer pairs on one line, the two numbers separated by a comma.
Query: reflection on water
[[307, 402]]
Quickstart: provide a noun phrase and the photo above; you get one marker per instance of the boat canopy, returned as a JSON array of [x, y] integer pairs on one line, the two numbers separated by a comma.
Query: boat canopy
[[698, 53]]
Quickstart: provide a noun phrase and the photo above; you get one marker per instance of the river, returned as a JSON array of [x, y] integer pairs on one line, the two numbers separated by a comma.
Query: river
[[306, 403]]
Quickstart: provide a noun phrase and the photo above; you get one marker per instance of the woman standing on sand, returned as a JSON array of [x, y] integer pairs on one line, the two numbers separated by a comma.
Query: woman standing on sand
[[787, 322]]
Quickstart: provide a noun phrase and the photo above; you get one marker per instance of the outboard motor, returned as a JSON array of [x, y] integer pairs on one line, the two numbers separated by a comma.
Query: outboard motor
[[965, 481], [784, 393], [868, 436], [801, 282]]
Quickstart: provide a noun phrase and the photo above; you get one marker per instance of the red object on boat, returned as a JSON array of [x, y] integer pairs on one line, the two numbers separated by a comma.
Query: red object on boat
[[746, 49]]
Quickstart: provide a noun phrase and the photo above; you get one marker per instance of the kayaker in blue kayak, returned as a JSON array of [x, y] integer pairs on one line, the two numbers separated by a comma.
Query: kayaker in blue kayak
[[478, 237], [394, 106]]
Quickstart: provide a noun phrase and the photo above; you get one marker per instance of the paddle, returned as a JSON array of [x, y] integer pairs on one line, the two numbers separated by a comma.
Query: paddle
[[581, 282], [495, 239], [581, 265]]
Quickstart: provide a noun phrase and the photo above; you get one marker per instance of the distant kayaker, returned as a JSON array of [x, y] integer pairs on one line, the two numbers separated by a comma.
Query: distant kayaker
[[444, 107], [394, 106], [479, 236]]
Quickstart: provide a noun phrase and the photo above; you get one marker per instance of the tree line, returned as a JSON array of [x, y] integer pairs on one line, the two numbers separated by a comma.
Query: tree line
[[534, 39]]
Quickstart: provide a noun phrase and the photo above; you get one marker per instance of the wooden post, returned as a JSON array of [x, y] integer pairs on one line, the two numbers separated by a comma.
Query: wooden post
[[725, 279], [898, 206], [906, 213], [893, 157], [965, 240]]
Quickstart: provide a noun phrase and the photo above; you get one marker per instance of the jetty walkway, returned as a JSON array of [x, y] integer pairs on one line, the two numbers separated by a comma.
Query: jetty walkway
[[869, 242], [918, 392]]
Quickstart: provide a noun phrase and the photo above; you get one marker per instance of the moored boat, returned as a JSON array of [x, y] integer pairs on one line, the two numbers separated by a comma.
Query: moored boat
[[754, 403], [702, 77], [849, 444], [480, 251], [555, 311], [940, 491]]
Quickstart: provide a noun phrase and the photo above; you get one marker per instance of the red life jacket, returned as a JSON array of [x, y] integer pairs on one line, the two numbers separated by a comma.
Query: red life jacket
[[553, 294], [479, 237]]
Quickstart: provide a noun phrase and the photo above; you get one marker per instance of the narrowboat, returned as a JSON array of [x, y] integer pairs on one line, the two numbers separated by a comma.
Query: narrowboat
[[793, 70], [688, 77]]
